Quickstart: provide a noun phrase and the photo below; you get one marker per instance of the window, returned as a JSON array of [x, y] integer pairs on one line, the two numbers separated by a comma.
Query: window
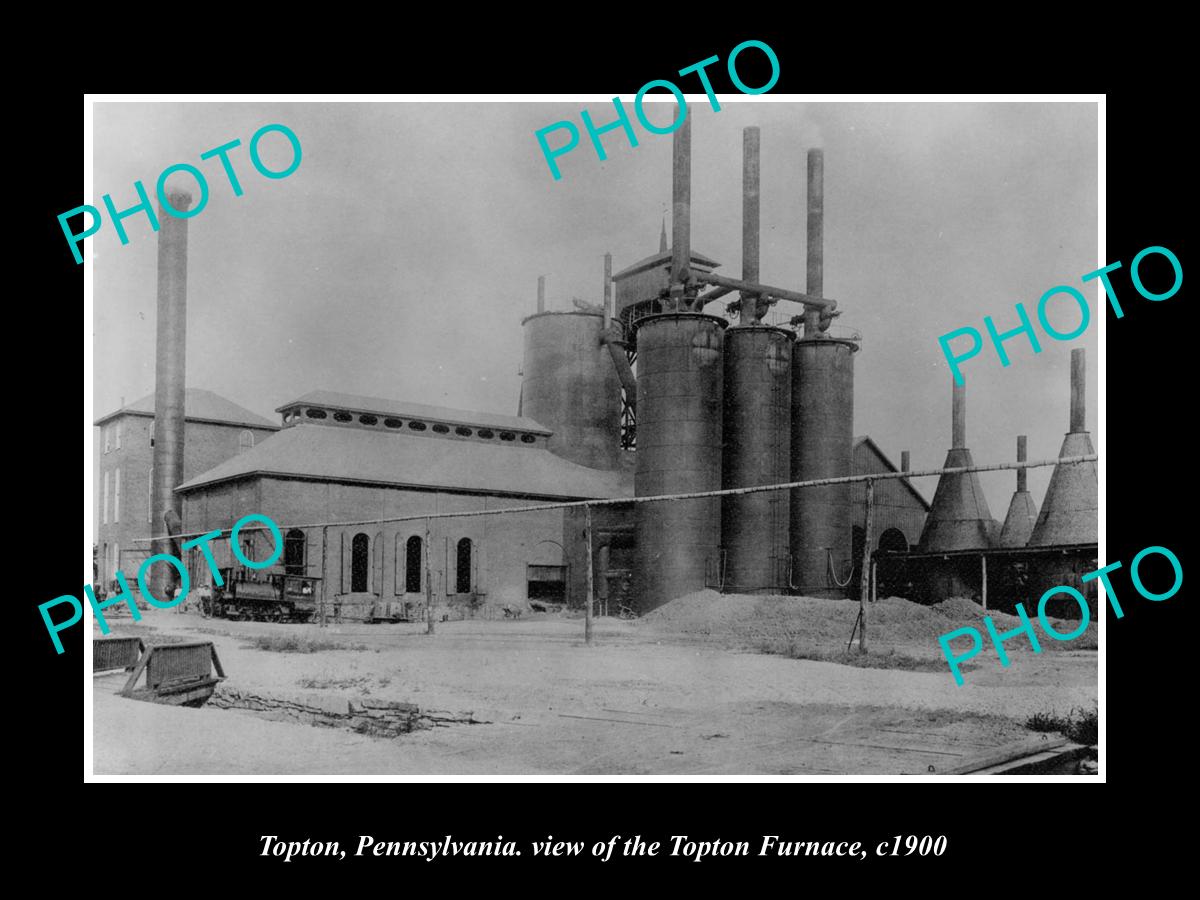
[[417, 426], [116, 558], [315, 413], [340, 416], [463, 574], [150, 496], [360, 562], [441, 429], [412, 565], [104, 502], [293, 552], [368, 419], [107, 434], [117, 496], [117, 427], [462, 431], [392, 423], [486, 433], [527, 439], [507, 436], [245, 440]]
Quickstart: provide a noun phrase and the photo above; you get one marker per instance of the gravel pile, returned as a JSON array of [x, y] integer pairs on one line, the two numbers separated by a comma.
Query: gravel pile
[[892, 620]]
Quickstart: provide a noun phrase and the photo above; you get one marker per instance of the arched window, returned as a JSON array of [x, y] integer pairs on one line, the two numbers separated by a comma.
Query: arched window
[[360, 562], [893, 540], [293, 552], [463, 574], [245, 440], [412, 565]]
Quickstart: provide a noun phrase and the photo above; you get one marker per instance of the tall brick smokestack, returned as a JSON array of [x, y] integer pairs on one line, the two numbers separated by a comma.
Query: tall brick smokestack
[[169, 385]]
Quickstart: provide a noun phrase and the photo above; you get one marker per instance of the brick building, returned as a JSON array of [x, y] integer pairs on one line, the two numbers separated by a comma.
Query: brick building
[[216, 430], [342, 458]]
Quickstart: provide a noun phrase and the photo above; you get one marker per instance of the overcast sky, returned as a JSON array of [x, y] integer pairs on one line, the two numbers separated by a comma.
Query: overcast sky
[[399, 259]]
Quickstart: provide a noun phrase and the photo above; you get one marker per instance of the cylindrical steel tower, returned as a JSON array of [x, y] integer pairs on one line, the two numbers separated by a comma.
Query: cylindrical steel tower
[[571, 387], [822, 447], [758, 411], [679, 394]]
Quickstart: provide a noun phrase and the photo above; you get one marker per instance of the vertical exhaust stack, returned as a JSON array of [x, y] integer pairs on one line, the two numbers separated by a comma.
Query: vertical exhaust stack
[[541, 300], [958, 417], [959, 518], [681, 216], [1022, 511], [820, 518], [815, 257], [169, 388], [750, 222], [1069, 510]]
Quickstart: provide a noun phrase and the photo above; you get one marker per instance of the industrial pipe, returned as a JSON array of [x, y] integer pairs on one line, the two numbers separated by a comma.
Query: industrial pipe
[[611, 338], [715, 294], [541, 307], [734, 284], [750, 222], [904, 461]]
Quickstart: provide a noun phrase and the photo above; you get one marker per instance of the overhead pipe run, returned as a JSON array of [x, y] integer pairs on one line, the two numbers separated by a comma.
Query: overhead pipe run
[[822, 305]]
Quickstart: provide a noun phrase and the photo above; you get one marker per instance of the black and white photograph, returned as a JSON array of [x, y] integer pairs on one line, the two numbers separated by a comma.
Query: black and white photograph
[[561, 439]]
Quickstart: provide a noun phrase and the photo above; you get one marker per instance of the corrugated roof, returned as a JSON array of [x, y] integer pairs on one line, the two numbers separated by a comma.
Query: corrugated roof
[[867, 439], [405, 409], [199, 405], [358, 455]]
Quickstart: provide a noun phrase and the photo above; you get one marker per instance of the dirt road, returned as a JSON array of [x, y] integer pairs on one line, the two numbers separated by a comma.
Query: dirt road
[[639, 702]]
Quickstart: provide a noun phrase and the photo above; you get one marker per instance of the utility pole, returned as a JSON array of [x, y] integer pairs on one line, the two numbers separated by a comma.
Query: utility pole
[[428, 584], [866, 567], [589, 593]]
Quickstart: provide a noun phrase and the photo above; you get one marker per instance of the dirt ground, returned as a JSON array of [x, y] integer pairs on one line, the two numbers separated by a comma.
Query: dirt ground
[[648, 698]]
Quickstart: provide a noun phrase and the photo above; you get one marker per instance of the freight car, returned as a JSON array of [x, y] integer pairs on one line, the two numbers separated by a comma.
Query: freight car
[[271, 595]]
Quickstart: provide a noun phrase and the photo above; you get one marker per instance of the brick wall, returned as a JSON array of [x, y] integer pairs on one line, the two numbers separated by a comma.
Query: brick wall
[[502, 547], [206, 445]]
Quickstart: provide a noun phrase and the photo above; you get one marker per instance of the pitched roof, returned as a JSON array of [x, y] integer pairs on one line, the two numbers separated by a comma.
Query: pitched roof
[[322, 453], [663, 257], [866, 439], [199, 406], [406, 409]]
